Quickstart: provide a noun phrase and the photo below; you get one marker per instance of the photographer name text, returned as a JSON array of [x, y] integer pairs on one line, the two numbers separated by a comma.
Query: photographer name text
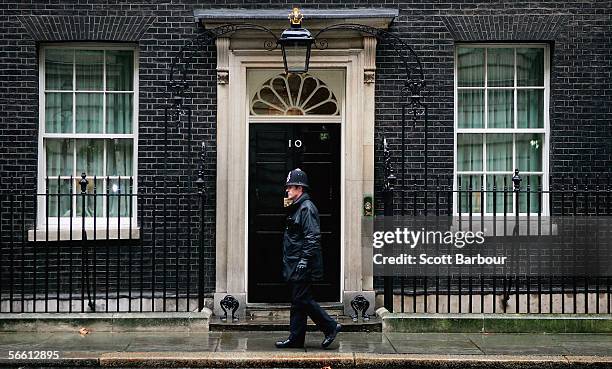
[[447, 259]]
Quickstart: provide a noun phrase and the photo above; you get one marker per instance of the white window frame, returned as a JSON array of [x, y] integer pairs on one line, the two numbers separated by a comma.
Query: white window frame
[[63, 223], [545, 130]]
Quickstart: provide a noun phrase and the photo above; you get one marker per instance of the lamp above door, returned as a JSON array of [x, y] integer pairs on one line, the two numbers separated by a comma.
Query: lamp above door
[[296, 43]]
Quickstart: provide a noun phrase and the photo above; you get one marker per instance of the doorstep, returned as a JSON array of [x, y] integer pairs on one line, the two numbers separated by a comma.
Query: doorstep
[[282, 324]]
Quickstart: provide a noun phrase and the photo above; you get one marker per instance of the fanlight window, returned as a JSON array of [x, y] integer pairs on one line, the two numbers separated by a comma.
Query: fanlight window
[[294, 94]]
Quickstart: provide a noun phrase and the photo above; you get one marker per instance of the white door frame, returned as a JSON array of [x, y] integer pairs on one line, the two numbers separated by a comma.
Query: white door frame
[[357, 178], [304, 119]]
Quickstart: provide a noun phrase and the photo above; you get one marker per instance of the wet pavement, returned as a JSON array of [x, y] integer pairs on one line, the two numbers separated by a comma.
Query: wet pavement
[[348, 346]]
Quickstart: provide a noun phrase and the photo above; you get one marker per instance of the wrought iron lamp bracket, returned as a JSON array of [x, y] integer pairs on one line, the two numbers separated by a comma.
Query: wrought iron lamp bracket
[[414, 82], [179, 84]]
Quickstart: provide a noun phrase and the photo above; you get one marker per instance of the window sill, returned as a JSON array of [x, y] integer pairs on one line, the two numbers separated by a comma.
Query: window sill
[[76, 235]]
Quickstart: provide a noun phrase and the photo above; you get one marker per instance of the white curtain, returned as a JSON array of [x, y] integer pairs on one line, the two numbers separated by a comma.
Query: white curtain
[[89, 107]]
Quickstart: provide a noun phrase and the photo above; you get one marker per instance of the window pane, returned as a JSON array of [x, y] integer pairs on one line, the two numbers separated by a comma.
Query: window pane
[[89, 113], [119, 113], [59, 153], [93, 205], [260, 108], [501, 108], [530, 108], [470, 67], [279, 90], [529, 152], [118, 203], [58, 112], [268, 103], [321, 94], [469, 152], [470, 108], [89, 69], [58, 69], [500, 64], [119, 157], [469, 185], [499, 183], [59, 198], [296, 56], [295, 83], [119, 70], [499, 152], [328, 108], [90, 156], [530, 67], [534, 182]]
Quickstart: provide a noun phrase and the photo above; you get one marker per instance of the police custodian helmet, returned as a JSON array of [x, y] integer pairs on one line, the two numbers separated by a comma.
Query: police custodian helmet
[[297, 177]]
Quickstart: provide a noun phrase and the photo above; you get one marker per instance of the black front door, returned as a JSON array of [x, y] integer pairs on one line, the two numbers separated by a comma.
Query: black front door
[[274, 150]]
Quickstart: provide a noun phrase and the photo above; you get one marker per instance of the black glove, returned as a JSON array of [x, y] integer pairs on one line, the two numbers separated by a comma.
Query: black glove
[[302, 264]]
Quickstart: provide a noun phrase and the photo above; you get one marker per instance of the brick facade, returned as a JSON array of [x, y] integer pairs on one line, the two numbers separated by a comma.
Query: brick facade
[[579, 33]]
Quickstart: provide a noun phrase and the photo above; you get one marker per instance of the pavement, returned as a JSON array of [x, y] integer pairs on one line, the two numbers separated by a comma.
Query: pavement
[[349, 350]]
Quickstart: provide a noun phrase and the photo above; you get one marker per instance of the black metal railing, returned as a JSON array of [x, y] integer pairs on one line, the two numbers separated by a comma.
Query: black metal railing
[[99, 245], [118, 249], [514, 198]]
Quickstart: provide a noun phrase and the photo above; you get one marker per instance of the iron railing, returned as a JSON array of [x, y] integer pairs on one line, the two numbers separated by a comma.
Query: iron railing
[[115, 250], [149, 255], [514, 199]]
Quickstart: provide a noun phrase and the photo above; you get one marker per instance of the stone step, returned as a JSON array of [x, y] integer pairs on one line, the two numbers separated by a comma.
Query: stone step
[[282, 324], [282, 311]]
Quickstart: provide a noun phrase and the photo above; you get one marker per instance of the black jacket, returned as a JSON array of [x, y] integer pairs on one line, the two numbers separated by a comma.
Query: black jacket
[[302, 240]]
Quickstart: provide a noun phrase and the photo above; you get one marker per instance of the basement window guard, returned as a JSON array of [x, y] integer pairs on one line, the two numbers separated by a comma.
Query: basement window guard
[[88, 124], [64, 233], [501, 124]]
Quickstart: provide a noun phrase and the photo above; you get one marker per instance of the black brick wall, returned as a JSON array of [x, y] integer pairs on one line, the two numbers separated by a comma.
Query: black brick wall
[[579, 32]]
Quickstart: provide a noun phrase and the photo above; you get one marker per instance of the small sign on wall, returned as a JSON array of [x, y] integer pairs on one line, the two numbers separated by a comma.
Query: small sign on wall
[[368, 206]]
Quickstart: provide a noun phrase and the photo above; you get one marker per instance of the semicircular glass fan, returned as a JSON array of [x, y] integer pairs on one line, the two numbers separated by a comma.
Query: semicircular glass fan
[[294, 94]]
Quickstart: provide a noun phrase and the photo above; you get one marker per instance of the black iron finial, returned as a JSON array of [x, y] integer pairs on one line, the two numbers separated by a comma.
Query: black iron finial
[[516, 180], [83, 182]]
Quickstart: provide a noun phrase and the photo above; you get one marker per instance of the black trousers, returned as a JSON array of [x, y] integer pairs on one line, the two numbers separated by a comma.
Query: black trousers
[[303, 306]]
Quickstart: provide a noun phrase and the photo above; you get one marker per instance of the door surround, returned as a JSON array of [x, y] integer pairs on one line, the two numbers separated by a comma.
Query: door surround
[[234, 58], [335, 83]]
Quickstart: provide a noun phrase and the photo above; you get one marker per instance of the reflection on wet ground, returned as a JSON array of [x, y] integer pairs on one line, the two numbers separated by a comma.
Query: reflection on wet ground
[[347, 342]]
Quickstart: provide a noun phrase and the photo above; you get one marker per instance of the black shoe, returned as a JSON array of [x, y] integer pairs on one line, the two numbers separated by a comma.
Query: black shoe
[[331, 336], [288, 344]]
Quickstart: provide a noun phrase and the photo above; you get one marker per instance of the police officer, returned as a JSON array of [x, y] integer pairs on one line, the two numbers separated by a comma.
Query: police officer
[[302, 263]]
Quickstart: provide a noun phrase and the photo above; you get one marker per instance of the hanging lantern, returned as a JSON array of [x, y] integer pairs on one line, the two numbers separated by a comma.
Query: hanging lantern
[[296, 43]]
